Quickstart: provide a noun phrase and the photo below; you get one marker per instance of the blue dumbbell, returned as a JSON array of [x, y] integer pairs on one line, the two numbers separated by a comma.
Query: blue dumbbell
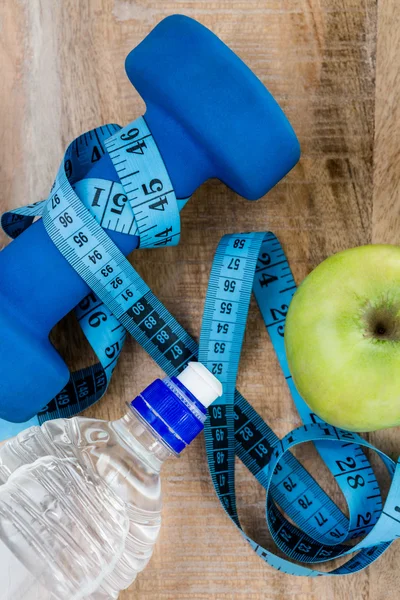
[[211, 117]]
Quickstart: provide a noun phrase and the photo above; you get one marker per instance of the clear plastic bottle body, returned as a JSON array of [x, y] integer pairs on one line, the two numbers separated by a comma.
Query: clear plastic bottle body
[[116, 470], [80, 499]]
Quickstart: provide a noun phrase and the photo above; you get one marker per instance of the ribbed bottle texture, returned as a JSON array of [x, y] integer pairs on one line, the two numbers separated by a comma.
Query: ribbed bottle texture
[[79, 513], [63, 526]]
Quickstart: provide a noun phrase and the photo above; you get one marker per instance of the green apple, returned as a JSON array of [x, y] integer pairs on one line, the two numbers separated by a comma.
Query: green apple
[[342, 338]]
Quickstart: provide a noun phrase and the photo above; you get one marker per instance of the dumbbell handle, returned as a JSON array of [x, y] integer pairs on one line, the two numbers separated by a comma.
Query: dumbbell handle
[[39, 284]]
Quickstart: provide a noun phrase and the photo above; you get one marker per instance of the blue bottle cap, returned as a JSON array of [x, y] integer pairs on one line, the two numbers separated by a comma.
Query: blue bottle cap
[[171, 408]]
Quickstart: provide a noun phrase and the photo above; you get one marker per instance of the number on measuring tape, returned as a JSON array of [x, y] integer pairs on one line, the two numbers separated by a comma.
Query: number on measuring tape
[[147, 185]]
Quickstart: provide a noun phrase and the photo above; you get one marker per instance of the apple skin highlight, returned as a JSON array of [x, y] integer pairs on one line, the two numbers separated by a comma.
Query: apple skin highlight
[[342, 338]]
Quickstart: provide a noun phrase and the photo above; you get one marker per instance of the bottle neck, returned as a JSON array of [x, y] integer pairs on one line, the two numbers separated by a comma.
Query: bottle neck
[[140, 439]]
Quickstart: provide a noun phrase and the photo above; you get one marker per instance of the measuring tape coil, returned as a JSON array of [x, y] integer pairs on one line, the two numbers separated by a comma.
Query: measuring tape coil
[[143, 204]]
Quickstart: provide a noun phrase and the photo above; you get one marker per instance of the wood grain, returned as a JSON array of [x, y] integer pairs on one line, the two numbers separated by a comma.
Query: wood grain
[[332, 65]]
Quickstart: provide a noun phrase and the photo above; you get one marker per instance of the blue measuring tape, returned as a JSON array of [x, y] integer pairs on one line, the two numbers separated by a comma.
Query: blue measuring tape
[[144, 204]]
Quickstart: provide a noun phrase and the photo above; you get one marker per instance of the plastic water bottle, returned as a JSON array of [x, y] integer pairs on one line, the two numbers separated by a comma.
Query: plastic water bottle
[[80, 500]]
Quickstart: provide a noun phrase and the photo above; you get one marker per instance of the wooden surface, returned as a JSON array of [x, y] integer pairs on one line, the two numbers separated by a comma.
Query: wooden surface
[[334, 67]]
